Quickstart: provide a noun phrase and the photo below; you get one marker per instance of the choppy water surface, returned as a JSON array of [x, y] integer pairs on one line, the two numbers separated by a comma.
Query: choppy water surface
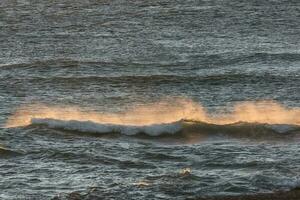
[[149, 99]]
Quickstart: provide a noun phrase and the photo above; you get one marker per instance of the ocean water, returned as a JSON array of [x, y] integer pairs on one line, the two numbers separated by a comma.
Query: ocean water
[[149, 99]]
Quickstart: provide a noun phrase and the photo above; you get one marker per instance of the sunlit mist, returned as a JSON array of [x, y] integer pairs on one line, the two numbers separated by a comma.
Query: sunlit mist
[[162, 112]]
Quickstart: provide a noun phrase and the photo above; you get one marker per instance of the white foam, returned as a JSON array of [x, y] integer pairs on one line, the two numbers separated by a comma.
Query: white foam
[[93, 127]]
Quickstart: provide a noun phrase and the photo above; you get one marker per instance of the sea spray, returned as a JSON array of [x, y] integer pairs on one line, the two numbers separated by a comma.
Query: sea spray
[[162, 112]]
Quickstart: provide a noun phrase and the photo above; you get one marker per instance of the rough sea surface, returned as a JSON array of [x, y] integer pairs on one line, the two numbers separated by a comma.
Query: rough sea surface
[[97, 58]]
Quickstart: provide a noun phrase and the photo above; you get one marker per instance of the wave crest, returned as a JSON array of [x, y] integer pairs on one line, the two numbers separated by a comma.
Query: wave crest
[[180, 127]]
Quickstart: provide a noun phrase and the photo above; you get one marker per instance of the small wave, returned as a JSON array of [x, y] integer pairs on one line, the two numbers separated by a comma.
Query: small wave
[[153, 79], [278, 56], [229, 59], [222, 59], [4, 152], [178, 127], [71, 62]]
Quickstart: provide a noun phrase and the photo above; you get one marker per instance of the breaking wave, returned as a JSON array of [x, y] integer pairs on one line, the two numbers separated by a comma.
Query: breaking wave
[[180, 127], [92, 127], [169, 116]]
